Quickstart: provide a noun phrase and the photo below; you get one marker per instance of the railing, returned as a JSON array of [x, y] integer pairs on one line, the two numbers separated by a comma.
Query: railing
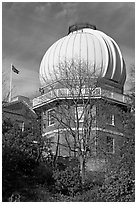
[[85, 92], [115, 96], [66, 93]]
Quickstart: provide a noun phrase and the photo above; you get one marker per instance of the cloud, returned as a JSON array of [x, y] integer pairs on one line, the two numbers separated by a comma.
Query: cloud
[[30, 28], [69, 11], [23, 38]]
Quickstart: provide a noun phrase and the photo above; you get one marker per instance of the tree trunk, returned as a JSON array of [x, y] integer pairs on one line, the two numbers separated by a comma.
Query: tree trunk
[[57, 147], [82, 168]]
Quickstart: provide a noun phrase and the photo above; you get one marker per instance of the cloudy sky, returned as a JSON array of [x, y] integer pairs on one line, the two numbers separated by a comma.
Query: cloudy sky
[[29, 29]]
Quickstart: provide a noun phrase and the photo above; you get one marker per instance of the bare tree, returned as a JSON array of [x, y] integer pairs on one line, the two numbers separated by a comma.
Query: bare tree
[[79, 113], [75, 88]]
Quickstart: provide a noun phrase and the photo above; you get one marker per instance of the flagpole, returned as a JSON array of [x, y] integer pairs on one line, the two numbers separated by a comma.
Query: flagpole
[[10, 83]]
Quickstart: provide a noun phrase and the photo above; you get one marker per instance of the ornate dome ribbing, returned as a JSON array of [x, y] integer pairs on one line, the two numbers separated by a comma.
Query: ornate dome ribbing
[[85, 43]]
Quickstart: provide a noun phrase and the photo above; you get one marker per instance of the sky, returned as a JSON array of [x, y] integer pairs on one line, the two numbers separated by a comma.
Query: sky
[[30, 28]]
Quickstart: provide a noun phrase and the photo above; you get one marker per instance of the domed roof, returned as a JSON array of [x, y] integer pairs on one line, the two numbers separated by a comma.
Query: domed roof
[[85, 43]]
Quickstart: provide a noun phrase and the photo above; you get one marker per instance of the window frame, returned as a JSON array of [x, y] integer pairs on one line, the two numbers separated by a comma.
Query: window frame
[[82, 118], [21, 125], [44, 125], [49, 118], [112, 120]]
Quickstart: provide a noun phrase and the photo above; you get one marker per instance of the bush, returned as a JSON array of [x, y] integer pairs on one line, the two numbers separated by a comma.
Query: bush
[[58, 197], [16, 170], [93, 179], [119, 185], [88, 196], [43, 174], [67, 181]]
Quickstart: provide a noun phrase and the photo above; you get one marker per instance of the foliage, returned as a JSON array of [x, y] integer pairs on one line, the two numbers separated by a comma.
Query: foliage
[[88, 196], [6, 125], [67, 181], [43, 175], [16, 170], [19, 158], [119, 184], [26, 171]]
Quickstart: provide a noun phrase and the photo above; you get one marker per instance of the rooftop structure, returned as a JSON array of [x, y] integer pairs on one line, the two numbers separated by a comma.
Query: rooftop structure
[[84, 43], [82, 69]]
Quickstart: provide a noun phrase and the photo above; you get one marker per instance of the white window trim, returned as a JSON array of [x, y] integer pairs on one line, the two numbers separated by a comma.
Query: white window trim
[[44, 112], [82, 118], [48, 124], [112, 120], [23, 126]]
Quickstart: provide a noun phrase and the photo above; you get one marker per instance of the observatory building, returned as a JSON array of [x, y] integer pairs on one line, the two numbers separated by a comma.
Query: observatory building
[[84, 73]]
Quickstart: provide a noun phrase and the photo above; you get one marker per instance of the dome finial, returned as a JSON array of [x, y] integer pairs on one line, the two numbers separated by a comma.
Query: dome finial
[[79, 26]]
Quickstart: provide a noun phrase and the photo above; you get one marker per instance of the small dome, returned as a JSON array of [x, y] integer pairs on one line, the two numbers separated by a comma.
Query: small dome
[[85, 43]]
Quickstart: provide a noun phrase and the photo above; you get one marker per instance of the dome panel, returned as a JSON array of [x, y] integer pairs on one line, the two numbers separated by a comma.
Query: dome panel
[[108, 70], [117, 73], [83, 48], [90, 50]]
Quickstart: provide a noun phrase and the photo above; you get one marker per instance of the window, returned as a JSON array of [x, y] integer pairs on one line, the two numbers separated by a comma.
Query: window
[[44, 125], [110, 144], [21, 125], [111, 120], [44, 112], [80, 113], [51, 117]]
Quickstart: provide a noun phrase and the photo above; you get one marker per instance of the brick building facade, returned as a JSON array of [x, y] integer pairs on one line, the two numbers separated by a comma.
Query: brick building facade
[[20, 111], [104, 64]]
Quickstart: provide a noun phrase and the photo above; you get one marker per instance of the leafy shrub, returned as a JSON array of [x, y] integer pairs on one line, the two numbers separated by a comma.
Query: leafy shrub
[[119, 187], [93, 179], [18, 159], [37, 193], [68, 181], [17, 169], [58, 197], [88, 196], [43, 174]]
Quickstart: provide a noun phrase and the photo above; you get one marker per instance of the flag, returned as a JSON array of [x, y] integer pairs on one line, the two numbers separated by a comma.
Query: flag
[[15, 70]]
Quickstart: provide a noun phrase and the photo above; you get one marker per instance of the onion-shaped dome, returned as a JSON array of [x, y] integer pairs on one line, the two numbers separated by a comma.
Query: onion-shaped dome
[[85, 43]]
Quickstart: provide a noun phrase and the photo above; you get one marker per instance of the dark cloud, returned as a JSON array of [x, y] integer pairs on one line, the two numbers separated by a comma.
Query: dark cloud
[[30, 28]]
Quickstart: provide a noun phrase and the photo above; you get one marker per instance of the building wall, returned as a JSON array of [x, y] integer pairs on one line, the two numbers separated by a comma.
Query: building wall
[[19, 117], [105, 122]]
